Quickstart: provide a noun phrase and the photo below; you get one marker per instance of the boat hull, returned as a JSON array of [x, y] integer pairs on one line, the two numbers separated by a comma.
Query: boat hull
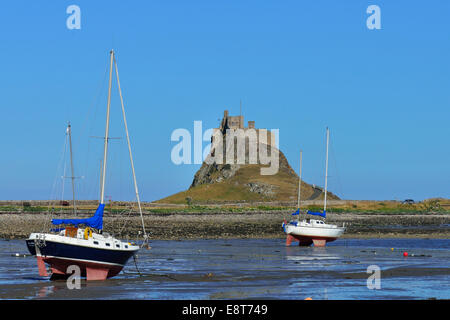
[[91, 270], [94, 263], [308, 240], [31, 246], [306, 235]]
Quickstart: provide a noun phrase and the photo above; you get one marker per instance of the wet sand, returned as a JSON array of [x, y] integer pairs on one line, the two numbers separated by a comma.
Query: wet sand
[[250, 269]]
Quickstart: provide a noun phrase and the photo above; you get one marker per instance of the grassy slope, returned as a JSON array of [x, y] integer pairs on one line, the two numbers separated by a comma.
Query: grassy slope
[[234, 189]]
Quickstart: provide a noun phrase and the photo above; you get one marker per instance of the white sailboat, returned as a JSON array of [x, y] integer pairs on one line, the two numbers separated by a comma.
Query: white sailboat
[[82, 242], [309, 231]]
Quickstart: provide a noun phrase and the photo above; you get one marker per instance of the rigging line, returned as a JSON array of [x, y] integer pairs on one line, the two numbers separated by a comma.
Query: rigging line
[[83, 188], [120, 171], [84, 128], [53, 191], [336, 170], [121, 215], [135, 263], [92, 187], [63, 184], [95, 102], [125, 220], [129, 149]]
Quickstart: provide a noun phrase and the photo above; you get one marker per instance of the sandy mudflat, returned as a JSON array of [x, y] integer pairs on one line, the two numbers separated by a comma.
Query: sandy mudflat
[[238, 225], [249, 269]]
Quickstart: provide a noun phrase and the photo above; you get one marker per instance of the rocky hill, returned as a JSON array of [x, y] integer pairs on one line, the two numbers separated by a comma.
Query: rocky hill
[[219, 183]]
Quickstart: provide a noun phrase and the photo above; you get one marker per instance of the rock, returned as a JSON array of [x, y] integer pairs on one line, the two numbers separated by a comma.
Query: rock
[[261, 188]]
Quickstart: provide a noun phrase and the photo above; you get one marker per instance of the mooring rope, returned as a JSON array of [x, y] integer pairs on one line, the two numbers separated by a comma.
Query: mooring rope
[[135, 263]]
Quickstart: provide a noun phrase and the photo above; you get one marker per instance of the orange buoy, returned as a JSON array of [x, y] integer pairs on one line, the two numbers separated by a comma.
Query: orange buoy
[[309, 298]]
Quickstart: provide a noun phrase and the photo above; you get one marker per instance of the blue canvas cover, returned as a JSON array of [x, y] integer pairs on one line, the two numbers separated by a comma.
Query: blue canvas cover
[[94, 222], [296, 212], [322, 214]]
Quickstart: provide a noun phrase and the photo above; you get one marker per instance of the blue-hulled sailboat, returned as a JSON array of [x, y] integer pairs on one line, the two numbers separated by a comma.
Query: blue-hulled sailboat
[[82, 242]]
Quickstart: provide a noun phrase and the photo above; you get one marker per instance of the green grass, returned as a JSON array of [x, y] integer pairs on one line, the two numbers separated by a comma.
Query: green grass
[[430, 207]]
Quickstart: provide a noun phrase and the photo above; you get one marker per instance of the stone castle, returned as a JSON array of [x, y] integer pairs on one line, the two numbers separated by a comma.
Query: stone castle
[[268, 178], [237, 122]]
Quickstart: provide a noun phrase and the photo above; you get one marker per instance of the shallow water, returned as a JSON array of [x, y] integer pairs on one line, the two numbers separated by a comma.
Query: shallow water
[[250, 269]]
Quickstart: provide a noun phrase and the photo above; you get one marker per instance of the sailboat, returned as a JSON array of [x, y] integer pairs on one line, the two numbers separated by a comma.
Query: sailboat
[[82, 242], [309, 231]]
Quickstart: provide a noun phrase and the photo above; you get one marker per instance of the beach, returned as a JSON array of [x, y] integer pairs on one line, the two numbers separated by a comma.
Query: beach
[[228, 253], [261, 269]]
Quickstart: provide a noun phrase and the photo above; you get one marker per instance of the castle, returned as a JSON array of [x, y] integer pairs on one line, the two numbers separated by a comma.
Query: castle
[[237, 122]]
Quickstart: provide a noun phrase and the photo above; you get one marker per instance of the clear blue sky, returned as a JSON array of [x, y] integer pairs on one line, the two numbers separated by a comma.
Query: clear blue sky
[[298, 66]]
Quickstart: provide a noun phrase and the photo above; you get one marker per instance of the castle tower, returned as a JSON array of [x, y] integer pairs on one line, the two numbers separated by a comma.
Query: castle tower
[[237, 122]]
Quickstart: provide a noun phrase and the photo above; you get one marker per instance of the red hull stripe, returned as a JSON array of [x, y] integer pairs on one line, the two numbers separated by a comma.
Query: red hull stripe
[[60, 265]]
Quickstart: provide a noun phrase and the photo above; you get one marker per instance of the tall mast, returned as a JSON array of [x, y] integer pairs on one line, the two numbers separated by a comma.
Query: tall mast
[[69, 132], [326, 173], [105, 150], [129, 151], [299, 181]]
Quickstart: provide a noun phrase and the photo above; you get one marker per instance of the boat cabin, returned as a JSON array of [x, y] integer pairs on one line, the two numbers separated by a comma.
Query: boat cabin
[[102, 241]]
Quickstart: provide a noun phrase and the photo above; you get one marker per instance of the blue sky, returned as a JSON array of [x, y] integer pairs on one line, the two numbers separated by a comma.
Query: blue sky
[[297, 66]]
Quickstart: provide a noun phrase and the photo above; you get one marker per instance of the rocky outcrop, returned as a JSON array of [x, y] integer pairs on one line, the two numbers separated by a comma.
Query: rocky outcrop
[[262, 188], [281, 186], [214, 173], [254, 170]]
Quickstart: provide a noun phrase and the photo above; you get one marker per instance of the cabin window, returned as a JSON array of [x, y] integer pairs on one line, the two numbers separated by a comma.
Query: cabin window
[[95, 242], [108, 245], [126, 247], [117, 245]]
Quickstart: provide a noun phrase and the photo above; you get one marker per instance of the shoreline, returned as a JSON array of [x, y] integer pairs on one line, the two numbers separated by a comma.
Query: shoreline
[[251, 225]]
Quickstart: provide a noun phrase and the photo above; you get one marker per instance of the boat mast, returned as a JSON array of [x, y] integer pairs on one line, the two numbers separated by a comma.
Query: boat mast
[[299, 181], [105, 150], [69, 132], [299, 185], [129, 151], [326, 173]]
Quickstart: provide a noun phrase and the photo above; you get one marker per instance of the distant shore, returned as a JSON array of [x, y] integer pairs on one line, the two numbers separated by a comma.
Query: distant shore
[[171, 224]]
